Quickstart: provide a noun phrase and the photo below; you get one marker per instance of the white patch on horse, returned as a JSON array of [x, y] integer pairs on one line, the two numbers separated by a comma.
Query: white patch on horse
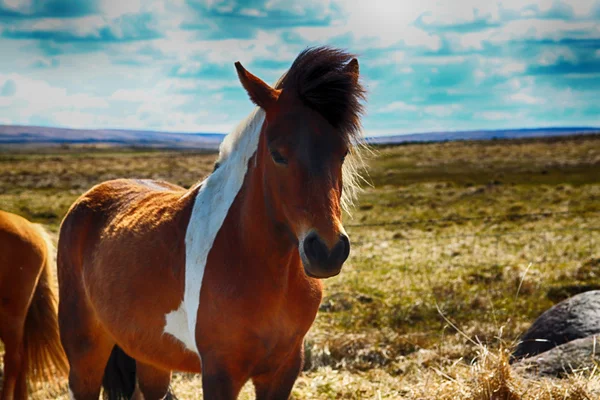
[[212, 203], [176, 325], [71, 395]]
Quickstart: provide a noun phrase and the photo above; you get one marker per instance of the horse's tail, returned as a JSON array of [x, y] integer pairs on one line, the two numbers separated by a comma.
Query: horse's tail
[[120, 376], [44, 354]]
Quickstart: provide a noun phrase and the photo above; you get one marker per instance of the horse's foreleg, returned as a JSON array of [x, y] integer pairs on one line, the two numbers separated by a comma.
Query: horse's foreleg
[[153, 383], [278, 384], [222, 379]]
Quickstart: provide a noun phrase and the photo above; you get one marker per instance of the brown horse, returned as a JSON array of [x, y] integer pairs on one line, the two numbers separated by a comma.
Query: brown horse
[[222, 278], [28, 315]]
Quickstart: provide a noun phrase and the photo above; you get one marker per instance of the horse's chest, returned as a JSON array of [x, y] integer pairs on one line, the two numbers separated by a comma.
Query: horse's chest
[[264, 326], [274, 337]]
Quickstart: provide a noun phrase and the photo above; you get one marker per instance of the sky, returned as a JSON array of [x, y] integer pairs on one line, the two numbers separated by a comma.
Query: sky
[[427, 65]]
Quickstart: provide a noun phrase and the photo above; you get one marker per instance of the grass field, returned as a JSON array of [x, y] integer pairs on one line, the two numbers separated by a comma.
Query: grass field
[[457, 247]]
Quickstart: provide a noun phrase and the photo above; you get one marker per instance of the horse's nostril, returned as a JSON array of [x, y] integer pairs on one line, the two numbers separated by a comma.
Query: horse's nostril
[[341, 250], [314, 248]]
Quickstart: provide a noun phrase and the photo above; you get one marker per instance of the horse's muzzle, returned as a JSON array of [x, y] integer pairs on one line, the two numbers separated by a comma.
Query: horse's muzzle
[[321, 262]]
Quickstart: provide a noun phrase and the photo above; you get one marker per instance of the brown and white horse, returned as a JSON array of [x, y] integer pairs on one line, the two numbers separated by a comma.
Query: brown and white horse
[[222, 278], [28, 315]]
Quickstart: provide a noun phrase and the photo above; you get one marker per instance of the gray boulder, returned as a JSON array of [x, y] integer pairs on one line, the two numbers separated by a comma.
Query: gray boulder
[[574, 356], [574, 318]]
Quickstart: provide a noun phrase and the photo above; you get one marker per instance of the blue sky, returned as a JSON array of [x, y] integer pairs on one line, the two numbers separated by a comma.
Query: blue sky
[[428, 65]]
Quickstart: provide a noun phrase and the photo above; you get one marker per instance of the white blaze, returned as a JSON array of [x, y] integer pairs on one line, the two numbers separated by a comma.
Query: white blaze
[[211, 206]]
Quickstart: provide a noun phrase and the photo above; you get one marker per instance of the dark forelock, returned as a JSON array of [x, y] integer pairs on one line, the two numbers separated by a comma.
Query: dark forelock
[[321, 81]]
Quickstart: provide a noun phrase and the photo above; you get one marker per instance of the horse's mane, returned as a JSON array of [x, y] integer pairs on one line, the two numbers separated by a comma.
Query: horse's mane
[[320, 80]]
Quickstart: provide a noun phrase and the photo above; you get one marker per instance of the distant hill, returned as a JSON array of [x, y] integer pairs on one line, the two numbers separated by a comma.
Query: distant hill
[[44, 136], [36, 135], [481, 135]]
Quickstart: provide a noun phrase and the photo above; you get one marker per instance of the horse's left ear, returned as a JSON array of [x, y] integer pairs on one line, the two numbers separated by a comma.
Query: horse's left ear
[[352, 68], [260, 93]]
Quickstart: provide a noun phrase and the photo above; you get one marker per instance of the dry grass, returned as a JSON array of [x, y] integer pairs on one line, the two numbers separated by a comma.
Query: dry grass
[[380, 332]]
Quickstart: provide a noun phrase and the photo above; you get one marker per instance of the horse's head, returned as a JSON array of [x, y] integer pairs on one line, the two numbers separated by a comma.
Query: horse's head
[[312, 117]]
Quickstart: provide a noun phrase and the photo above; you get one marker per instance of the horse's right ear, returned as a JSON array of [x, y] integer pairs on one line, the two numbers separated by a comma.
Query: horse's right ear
[[352, 68], [260, 93]]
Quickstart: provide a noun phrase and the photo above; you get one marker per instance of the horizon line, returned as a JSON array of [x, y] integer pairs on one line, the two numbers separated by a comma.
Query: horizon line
[[366, 136]]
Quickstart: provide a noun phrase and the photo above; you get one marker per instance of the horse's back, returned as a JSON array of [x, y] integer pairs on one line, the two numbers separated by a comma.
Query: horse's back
[[115, 211], [117, 194], [121, 196]]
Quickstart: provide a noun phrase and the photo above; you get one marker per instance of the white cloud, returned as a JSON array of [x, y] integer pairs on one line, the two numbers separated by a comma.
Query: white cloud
[[523, 29], [398, 106], [184, 45], [439, 60], [130, 95], [583, 8], [446, 13], [496, 66], [388, 33], [495, 115], [472, 40], [22, 6], [443, 110], [252, 12], [479, 75], [540, 29], [511, 68], [34, 98], [392, 57], [116, 8], [517, 83], [93, 27], [376, 24], [553, 55], [440, 110], [321, 8], [522, 97]]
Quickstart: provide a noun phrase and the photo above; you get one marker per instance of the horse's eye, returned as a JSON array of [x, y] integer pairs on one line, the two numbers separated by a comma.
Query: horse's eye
[[278, 158], [344, 156]]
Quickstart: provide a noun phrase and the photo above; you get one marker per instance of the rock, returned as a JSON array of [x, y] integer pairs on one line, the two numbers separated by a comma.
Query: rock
[[574, 318], [575, 355]]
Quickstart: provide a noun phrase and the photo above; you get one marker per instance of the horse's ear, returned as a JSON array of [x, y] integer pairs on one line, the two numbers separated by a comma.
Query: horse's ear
[[352, 68], [260, 93]]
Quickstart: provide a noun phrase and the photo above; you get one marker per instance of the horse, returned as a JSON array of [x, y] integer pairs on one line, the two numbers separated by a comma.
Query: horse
[[221, 279], [28, 312]]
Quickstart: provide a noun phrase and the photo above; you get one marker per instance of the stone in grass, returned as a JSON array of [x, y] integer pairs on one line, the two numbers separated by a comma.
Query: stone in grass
[[574, 318], [575, 356]]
